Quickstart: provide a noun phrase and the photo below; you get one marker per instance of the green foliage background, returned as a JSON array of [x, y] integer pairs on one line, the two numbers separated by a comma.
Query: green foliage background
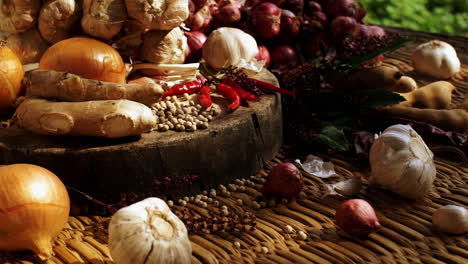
[[442, 16]]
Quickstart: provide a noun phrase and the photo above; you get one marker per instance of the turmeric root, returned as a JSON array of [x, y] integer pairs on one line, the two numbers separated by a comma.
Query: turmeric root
[[451, 120], [436, 95], [110, 118], [71, 87]]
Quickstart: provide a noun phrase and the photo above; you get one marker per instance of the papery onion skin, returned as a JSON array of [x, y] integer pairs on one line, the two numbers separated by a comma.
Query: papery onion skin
[[34, 207], [11, 74], [86, 57]]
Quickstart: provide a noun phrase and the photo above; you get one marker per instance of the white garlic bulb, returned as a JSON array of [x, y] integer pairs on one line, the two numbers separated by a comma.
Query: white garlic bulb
[[436, 58], [148, 232], [227, 46], [451, 219], [401, 162]]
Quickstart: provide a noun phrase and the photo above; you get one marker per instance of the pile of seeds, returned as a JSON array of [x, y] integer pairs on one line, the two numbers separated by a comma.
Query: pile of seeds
[[183, 114]]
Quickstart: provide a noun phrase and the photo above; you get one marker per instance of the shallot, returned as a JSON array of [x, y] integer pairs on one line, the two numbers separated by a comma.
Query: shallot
[[266, 17], [357, 217], [228, 15], [263, 55], [338, 8], [284, 57], [290, 27], [284, 181], [344, 26], [195, 41]]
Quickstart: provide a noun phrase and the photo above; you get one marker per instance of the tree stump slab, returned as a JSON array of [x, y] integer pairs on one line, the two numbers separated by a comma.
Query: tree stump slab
[[235, 145]]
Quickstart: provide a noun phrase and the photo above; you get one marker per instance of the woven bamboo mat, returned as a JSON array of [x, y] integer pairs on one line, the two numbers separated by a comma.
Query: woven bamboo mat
[[406, 235]]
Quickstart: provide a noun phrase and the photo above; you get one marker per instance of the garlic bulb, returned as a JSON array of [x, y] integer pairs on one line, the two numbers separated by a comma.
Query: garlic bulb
[[451, 219], [401, 162], [436, 58], [229, 46], [148, 232], [103, 18]]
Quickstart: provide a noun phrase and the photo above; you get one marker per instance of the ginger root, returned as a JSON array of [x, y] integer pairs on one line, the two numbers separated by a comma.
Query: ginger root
[[58, 19], [158, 14], [71, 87], [436, 95], [18, 15], [109, 118], [379, 77], [103, 18], [28, 46], [165, 46], [451, 120]]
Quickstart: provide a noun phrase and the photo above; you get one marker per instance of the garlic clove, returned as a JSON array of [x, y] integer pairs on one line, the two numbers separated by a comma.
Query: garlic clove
[[451, 219], [350, 187]]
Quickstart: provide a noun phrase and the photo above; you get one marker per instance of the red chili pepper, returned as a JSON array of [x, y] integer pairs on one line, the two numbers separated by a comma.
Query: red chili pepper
[[230, 94], [243, 94], [188, 87], [267, 87], [204, 97]]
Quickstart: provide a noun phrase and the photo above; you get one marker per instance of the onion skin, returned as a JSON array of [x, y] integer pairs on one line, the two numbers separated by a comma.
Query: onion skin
[[342, 27], [86, 57], [11, 74], [35, 208]]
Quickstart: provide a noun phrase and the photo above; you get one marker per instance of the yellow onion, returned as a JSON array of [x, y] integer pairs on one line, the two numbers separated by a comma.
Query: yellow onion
[[34, 208], [86, 57], [11, 74]]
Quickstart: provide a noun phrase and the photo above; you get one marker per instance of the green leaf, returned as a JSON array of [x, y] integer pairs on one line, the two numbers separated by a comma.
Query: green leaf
[[378, 98], [334, 138]]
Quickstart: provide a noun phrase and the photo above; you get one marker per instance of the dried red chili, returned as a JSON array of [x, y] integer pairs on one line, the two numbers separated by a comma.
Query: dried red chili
[[229, 93], [243, 94], [188, 87], [267, 87], [204, 97]]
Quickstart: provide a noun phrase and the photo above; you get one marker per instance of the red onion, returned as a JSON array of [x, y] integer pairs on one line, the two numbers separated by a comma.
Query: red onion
[[195, 21], [290, 26], [284, 181], [377, 31], [344, 26], [295, 6], [284, 57], [313, 6], [314, 43], [234, 3], [228, 15], [199, 3], [357, 217], [361, 14], [263, 55], [317, 21], [191, 6], [266, 18], [195, 41], [337, 8]]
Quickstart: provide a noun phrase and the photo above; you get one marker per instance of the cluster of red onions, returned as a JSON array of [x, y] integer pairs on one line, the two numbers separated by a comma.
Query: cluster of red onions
[[288, 31]]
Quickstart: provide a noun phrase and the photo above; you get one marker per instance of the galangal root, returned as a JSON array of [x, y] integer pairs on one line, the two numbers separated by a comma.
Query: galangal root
[[436, 95], [451, 120], [109, 118], [70, 87]]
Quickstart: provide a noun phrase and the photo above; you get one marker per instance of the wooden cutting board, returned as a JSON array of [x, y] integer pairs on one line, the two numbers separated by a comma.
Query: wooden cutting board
[[235, 145]]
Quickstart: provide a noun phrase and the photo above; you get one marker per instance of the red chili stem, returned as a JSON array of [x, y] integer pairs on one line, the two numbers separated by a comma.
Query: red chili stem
[[229, 93], [204, 97], [243, 94], [188, 87], [267, 87]]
